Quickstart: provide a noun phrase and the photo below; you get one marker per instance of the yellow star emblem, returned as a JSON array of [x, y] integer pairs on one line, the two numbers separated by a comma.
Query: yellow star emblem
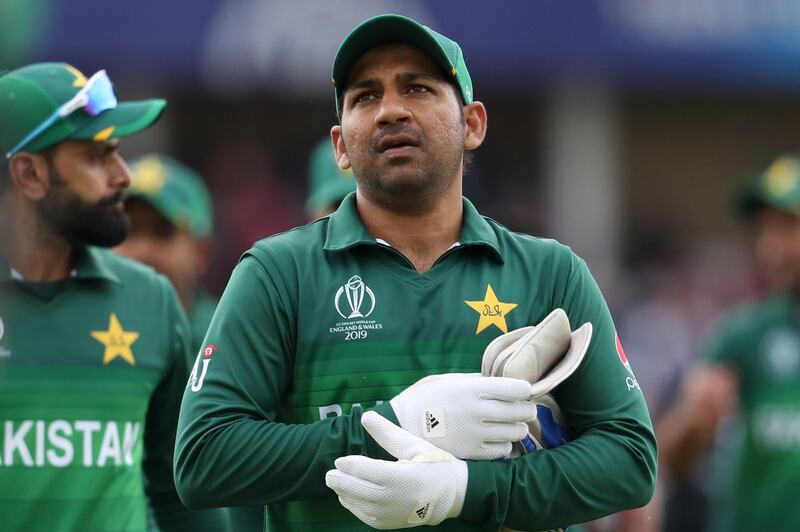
[[492, 311], [148, 176], [117, 341]]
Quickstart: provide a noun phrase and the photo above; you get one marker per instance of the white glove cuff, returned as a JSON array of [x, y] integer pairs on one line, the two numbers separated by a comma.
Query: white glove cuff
[[461, 477]]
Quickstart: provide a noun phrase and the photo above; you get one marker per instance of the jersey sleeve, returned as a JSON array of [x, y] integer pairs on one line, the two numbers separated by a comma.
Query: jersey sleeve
[[168, 512], [231, 450], [609, 466]]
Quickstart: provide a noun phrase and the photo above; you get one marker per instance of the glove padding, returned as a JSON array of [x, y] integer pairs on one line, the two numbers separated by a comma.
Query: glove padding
[[424, 487], [468, 415], [543, 355]]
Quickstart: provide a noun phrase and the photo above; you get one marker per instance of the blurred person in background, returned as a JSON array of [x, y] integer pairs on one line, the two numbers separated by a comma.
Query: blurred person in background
[[94, 348], [172, 221], [327, 183], [752, 367]]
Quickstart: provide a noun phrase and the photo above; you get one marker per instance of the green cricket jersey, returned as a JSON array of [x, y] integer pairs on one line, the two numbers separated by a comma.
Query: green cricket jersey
[[762, 343], [91, 373], [323, 321]]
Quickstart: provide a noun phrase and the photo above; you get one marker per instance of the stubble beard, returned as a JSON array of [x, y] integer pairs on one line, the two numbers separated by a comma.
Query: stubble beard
[[408, 186]]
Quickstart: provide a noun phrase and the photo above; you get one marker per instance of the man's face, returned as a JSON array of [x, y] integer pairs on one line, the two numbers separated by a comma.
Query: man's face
[[156, 241], [402, 126], [778, 248], [84, 200]]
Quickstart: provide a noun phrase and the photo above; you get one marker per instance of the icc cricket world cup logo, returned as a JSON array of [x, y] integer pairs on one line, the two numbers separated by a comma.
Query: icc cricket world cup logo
[[354, 292]]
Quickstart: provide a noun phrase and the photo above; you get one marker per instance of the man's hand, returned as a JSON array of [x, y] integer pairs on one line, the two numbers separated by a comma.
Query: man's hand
[[424, 487], [470, 416]]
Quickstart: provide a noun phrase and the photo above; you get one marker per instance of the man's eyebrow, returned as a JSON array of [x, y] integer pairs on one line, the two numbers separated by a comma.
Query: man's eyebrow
[[363, 84], [411, 76]]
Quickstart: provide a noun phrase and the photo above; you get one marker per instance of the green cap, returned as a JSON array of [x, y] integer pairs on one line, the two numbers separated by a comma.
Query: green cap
[[385, 29], [327, 183], [31, 94], [175, 190], [778, 186]]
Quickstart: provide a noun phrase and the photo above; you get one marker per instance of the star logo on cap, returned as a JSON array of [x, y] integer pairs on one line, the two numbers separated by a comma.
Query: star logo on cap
[[782, 177], [492, 311], [149, 176], [117, 341]]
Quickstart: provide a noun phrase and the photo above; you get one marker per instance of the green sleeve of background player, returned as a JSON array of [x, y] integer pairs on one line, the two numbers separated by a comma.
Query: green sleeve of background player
[[234, 394], [609, 466], [159, 435]]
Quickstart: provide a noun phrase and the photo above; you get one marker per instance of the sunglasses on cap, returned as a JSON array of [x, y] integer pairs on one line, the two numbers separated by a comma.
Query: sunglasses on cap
[[94, 98]]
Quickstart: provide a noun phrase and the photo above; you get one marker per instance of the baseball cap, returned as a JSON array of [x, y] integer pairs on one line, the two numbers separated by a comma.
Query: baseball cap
[[385, 29], [31, 94], [174, 190], [778, 186], [327, 183]]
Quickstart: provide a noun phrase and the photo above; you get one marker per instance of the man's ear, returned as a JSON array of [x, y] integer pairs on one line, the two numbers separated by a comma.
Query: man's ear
[[475, 122], [342, 160], [30, 173]]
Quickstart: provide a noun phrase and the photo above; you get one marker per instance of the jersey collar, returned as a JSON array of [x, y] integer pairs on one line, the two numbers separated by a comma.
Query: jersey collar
[[346, 230], [90, 263]]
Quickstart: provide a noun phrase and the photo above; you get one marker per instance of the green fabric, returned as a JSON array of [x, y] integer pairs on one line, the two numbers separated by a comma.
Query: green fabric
[[762, 342], [385, 29], [778, 186], [87, 438], [175, 190], [321, 322], [29, 95], [327, 183]]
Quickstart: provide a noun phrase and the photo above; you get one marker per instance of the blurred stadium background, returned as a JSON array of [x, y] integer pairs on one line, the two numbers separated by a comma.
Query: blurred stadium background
[[620, 127]]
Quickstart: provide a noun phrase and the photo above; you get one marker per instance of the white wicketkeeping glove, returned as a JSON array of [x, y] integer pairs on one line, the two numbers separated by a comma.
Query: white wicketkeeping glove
[[424, 487], [468, 415], [543, 355]]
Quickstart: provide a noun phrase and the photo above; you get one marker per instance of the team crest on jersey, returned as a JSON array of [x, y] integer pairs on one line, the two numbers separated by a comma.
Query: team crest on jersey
[[4, 353], [781, 353], [205, 355], [630, 381], [355, 302], [491, 311]]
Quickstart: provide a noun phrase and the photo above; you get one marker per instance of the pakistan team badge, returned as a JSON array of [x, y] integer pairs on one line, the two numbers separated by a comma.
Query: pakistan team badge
[[117, 341], [354, 302], [491, 310]]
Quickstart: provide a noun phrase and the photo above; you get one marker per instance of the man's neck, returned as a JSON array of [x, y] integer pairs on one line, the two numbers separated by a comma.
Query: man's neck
[[421, 237], [29, 246]]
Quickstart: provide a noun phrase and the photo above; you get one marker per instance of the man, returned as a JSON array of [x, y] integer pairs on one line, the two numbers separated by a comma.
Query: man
[[93, 347], [327, 183], [405, 280], [753, 360], [172, 217]]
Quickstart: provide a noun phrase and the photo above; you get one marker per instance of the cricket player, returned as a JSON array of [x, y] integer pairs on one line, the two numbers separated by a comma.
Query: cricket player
[[94, 348], [313, 381], [172, 219], [752, 366], [327, 183]]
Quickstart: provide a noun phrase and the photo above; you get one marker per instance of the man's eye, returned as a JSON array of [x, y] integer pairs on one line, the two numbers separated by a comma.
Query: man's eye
[[365, 97], [418, 88]]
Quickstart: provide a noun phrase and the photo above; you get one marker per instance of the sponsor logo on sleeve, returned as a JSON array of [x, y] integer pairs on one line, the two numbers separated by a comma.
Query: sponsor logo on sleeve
[[630, 380], [205, 355]]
